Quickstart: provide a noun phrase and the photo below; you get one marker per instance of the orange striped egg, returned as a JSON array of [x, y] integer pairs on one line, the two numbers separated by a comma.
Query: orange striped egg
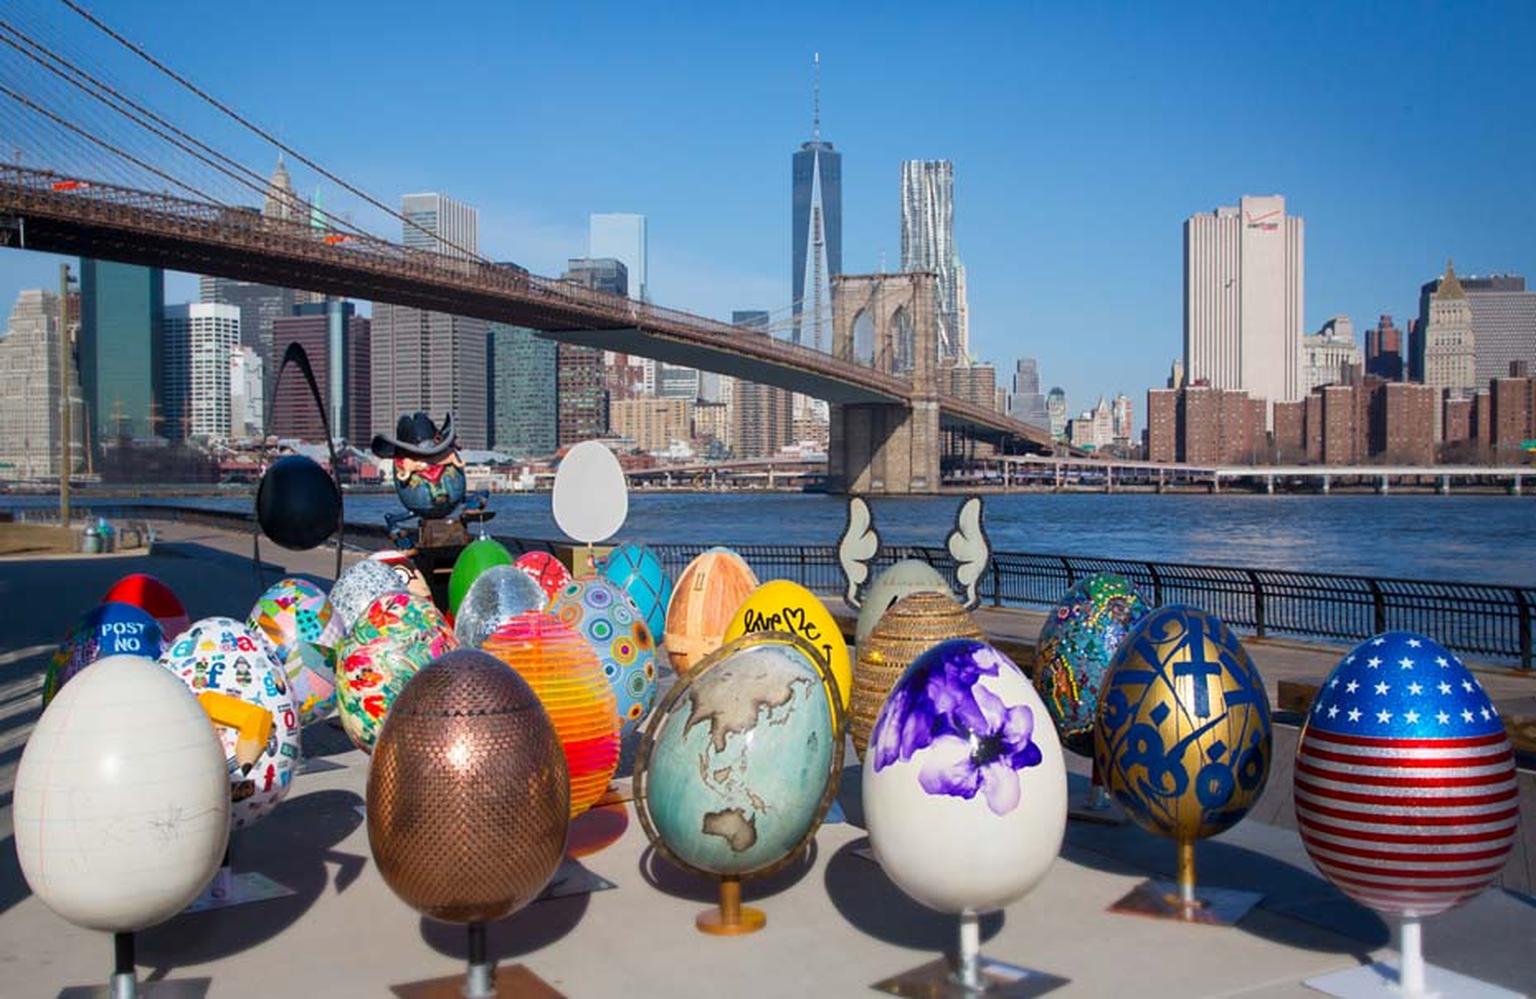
[[563, 670]]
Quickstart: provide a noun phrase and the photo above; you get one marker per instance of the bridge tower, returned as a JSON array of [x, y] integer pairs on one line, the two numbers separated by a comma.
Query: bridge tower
[[888, 322]]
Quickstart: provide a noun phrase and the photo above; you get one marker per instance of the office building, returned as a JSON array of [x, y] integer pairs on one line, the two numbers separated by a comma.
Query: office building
[[198, 341], [1243, 296], [676, 382], [1094, 428], [1027, 404], [653, 424], [1449, 349], [525, 408], [622, 237], [581, 381], [1163, 424], [975, 383], [1330, 355], [260, 306], [1123, 420], [338, 343], [439, 224], [246, 395], [816, 178], [282, 203], [31, 383], [120, 348], [1056, 412], [928, 242], [1384, 350], [1503, 322]]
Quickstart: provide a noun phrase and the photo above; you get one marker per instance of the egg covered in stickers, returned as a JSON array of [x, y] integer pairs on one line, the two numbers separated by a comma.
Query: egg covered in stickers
[[1183, 738], [391, 641], [1080, 636], [221, 655], [1405, 784], [965, 785], [294, 617], [637, 570], [109, 629], [601, 613]]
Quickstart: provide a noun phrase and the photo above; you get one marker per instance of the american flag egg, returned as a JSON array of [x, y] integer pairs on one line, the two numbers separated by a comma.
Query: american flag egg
[[1405, 779]]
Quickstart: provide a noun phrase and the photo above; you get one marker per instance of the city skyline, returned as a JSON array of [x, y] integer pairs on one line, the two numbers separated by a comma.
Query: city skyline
[[1379, 227]]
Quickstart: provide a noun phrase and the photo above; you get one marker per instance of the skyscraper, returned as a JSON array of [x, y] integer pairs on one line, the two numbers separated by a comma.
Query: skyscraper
[[120, 347], [1028, 404], [817, 218], [31, 381], [439, 224], [1503, 321], [247, 395], [1384, 350], [525, 405], [198, 341], [337, 341], [1243, 293], [580, 378], [1329, 355], [621, 236], [762, 416], [282, 204], [1450, 350], [1056, 411], [928, 242]]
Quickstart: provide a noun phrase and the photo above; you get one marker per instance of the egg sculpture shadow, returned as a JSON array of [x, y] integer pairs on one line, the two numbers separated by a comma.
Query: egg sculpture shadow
[[1076, 645], [298, 504], [468, 800]]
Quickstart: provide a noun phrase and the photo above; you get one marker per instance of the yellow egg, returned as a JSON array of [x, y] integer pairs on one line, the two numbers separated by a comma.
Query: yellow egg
[[781, 605]]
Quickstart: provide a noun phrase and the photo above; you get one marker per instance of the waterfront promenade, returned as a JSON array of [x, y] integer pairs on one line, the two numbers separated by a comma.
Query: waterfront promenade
[[835, 924]]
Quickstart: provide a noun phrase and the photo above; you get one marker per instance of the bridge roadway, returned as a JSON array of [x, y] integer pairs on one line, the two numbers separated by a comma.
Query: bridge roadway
[[54, 213], [1115, 471]]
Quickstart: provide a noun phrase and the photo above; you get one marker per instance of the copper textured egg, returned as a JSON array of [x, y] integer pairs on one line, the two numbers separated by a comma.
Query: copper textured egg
[[468, 805], [1183, 740]]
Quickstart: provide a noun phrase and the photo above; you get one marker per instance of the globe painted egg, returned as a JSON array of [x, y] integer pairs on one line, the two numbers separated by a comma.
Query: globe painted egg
[[501, 593], [468, 802], [359, 585], [122, 755], [405, 567], [143, 590], [637, 570], [220, 655], [740, 760], [1405, 782], [704, 600], [294, 618], [394, 639], [1183, 739], [783, 605], [908, 576], [964, 754], [545, 569], [110, 629], [1076, 644], [477, 556], [601, 613], [912, 626], [563, 671]]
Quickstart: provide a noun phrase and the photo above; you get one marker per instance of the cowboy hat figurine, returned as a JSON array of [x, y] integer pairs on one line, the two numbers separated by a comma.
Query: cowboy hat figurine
[[428, 472]]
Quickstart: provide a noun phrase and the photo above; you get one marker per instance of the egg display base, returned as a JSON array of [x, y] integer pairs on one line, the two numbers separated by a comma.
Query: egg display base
[[229, 889], [1097, 807], [999, 980], [730, 918], [511, 981], [1379, 981], [318, 765], [1160, 900], [571, 878], [179, 988]]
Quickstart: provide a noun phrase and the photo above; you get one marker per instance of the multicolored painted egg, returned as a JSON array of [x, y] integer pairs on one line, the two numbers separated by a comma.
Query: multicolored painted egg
[[294, 617], [501, 593], [1183, 740], [396, 637], [1076, 644], [637, 570], [359, 585], [221, 655], [405, 567], [563, 671], [145, 591], [110, 629], [908, 576], [784, 605], [601, 613], [545, 569], [965, 785], [703, 603], [1405, 783]]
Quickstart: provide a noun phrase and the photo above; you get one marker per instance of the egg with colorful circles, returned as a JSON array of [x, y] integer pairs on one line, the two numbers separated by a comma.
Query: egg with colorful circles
[[784, 605], [394, 638], [600, 612], [294, 618], [221, 655], [637, 570]]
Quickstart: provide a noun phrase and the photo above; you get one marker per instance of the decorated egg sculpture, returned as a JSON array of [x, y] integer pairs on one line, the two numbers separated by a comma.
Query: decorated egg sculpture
[[783, 605], [406, 568], [477, 556], [122, 747], [397, 636], [908, 576], [109, 629], [500, 593], [294, 617], [1076, 644], [145, 591], [546, 570], [1183, 740], [1405, 783], [637, 570], [359, 585], [703, 602], [964, 753], [220, 655], [601, 613]]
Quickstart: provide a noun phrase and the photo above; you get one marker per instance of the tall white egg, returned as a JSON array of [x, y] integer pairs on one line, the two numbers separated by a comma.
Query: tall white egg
[[910, 575], [590, 498], [965, 788], [122, 798]]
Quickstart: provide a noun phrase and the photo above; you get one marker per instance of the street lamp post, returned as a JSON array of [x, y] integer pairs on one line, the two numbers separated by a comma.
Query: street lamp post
[[64, 414]]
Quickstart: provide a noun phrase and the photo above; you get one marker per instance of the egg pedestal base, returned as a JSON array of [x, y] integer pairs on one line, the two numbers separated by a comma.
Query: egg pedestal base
[[1411, 979], [124, 983], [971, 976], [1182, 902], [482, 979], [1096, 806], [731, 918]]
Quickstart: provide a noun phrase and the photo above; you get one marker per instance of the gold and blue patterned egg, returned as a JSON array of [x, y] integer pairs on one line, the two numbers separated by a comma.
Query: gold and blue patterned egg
[[601, 613], [1076, 644], [1183, 739]]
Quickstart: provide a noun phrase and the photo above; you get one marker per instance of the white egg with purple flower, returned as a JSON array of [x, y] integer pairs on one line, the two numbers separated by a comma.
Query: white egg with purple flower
[[965, 787]]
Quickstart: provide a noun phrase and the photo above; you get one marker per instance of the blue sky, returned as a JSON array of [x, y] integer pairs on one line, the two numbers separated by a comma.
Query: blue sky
[[1082, 136]]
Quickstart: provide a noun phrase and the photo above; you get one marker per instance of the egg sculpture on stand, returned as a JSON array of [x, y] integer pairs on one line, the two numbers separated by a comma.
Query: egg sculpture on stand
[[294, 618], [108, 629], [143, 590], [1406, 798], [637, 570], [705, 599], [963, 752], [545, 569], [391, 641], [602, 614], [738, 766], [359, 585], [906, 577], [782, 605], [1183, 744], [499, 594]]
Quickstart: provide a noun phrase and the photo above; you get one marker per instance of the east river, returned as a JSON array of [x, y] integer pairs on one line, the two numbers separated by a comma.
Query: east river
[[1465, 538]]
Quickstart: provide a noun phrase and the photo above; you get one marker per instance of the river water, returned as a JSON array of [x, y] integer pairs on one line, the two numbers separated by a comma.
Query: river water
[[1487, 539]]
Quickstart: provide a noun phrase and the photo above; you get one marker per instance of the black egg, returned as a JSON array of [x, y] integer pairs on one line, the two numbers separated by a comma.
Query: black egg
[[298, 504]]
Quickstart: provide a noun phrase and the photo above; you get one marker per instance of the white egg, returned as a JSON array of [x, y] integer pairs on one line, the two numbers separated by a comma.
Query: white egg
[[590, 498], [122, 798], [910, 575], [965, 797]]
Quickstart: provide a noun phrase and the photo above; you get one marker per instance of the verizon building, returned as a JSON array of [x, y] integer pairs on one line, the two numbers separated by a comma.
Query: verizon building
[[1243, 299]]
